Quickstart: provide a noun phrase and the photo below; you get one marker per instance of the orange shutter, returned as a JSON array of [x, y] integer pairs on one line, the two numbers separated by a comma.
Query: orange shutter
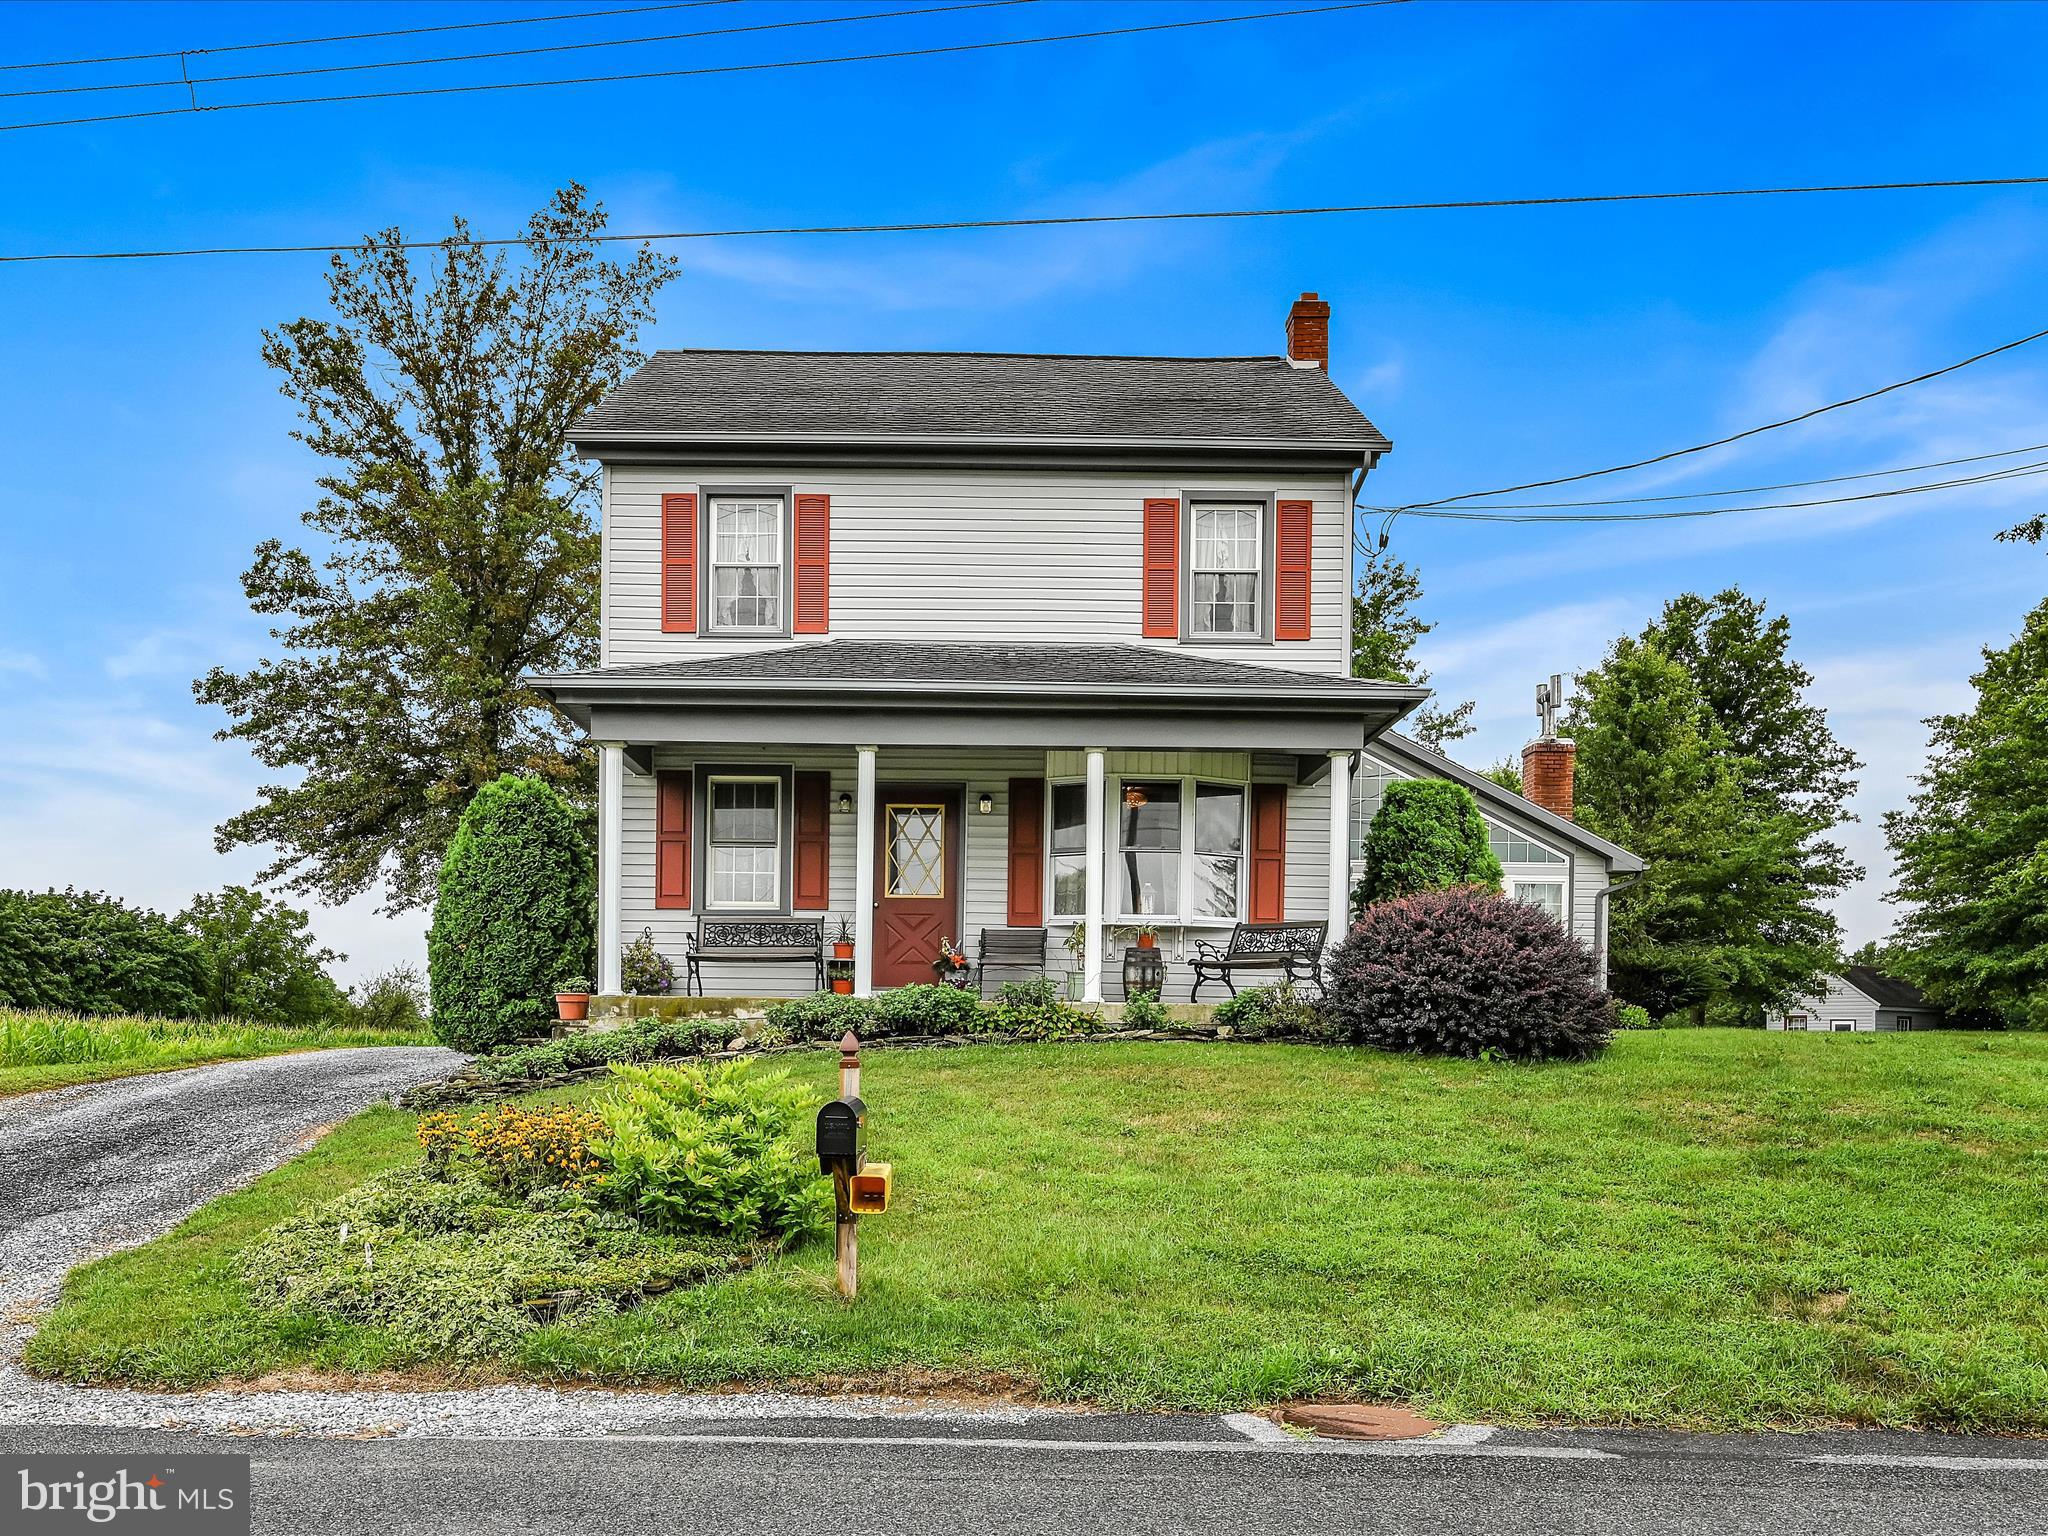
[[813, 565], [672, 838], [1293, 536], [1161, 602], [1269, 853], [813, 879], [679, 564], [1027, 853]]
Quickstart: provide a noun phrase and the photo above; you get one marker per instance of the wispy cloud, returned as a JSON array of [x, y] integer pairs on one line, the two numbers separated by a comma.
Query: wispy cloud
[[22, 664]]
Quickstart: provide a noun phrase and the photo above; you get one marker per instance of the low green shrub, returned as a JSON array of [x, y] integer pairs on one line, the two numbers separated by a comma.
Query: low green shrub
[[1273, 1013], [1143, 1010], [1633, 1016], [924, 1010], [693, 1149], [823, 1016], [451, 1268], [1034, 1010], [645, 1040]]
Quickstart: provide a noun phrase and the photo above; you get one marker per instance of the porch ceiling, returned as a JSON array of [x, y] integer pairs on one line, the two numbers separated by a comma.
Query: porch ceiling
[[891, 693]]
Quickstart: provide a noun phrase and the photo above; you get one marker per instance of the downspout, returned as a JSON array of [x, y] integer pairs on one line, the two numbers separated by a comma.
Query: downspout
[[1600, 900]]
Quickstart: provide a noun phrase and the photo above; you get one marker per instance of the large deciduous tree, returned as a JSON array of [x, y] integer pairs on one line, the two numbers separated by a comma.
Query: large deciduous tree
[[1384, 629], [260, 960], [1971, 850], [1721, 920], [459, 547], [1741, 662]]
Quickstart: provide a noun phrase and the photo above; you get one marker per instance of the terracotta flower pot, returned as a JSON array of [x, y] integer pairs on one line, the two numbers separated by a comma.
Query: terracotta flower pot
[[842, 950], [843, 985], [1148, 941], [572, 1007]]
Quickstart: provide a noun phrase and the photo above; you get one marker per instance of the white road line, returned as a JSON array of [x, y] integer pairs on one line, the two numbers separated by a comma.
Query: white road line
[[1292, 1447], [1937, 1463]]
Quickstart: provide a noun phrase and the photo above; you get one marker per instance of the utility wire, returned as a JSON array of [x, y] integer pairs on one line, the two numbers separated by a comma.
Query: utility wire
[[1049, 221], [1469, 515], [357, 37], [1722, 442], [720, 69], [513, 53], [1748, 490]]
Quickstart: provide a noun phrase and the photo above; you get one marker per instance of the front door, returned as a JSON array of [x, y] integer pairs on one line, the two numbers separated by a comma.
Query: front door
[[917, 880]]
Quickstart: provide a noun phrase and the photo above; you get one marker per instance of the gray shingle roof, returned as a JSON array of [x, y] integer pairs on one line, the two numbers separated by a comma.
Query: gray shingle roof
[[1885, 991], [978, 395], [916, 664]]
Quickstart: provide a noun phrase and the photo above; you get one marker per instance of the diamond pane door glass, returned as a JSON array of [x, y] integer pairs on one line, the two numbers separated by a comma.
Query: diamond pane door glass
[[917, 851]]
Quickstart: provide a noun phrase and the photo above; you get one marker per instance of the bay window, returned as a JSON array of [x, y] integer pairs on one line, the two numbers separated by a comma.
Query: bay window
[[745, 841], [1175, 851]]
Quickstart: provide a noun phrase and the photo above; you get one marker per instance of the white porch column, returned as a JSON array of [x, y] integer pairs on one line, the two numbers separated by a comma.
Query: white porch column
[[864, 875], [1340, 846], [1091, 953], [611, 845]]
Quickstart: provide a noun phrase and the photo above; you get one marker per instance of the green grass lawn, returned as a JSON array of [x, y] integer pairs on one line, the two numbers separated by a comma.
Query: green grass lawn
[[1708, 1228], [54, 1050]]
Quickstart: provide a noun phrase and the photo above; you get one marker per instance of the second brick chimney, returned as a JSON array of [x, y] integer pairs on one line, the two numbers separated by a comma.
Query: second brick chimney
[[1308, 332]]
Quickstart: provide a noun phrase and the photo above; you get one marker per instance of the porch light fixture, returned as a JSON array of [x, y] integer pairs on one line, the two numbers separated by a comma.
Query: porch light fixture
[[845, 802], [986, 804]]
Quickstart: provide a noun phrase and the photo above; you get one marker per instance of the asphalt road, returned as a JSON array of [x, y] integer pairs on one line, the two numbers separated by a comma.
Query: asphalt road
[[1162, 1475], [89, 1169]]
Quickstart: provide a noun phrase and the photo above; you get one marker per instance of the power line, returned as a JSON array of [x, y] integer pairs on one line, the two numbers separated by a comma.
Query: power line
[[357, 37], [1052, 221], [511, 53], [1471, 515], [1749, 490], [721, 69], [1722, 442]]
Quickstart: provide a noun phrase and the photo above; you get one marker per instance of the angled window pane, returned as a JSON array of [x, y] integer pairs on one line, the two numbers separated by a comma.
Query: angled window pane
[[1069, 818], [1215, 886], [1069, 884], [1219, 818]]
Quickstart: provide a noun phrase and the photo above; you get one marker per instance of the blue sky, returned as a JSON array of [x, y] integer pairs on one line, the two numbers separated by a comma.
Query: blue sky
[[146, 449]]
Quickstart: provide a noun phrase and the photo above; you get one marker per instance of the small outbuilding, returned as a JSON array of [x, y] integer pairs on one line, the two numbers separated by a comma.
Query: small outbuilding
[[1861, 999]]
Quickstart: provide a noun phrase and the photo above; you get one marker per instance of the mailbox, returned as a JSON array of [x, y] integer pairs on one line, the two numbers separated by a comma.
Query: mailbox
[[867, 1192], [843, 1136]]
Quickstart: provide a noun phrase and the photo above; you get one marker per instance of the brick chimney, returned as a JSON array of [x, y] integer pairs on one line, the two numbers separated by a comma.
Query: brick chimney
[[1547, 761], [1308, 333]]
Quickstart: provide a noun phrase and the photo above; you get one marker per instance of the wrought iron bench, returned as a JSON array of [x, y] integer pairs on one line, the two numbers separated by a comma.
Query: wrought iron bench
[[753, 938], [1009, 949], [1295, 949]]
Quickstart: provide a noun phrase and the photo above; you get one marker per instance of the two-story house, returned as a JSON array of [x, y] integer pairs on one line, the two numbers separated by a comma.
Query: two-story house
[[930, 643]]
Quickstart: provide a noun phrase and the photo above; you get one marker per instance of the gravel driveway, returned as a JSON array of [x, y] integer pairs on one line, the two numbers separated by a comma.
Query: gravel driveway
[[86, 1170]]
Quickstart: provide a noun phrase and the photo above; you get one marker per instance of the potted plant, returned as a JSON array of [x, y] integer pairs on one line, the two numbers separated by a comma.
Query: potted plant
[[1077, 944], [1144, 935], [951, 963], [841, 982], [842, 942], [572, 1000]]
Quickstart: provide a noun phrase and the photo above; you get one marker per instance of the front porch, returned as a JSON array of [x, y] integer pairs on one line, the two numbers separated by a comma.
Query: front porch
[[910, 797]]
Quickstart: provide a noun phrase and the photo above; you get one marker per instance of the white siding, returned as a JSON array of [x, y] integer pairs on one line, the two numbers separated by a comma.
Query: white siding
[[967, 555]]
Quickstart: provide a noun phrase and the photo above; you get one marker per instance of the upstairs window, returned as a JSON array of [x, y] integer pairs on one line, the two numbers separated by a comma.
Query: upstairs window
[[1225, 554], [747, 543]]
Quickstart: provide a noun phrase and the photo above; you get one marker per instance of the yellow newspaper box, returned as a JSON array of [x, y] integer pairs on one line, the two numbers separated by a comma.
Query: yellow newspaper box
[[867, 1192]]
